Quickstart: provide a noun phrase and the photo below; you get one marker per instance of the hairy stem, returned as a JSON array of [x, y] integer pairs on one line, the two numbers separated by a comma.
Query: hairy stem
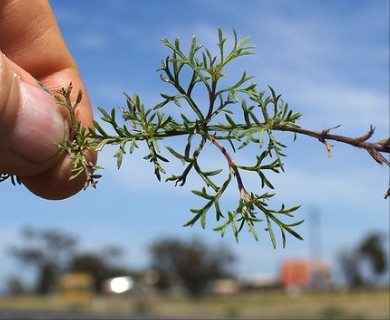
[[233, 165], [373, 148]]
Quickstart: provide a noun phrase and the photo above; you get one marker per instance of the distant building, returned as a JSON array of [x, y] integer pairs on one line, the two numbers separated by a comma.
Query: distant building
[[224, 286], [250, 282], [76, 288], [303, 274], [259, 281]]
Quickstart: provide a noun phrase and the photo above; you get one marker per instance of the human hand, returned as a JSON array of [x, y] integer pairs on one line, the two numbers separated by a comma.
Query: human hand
[[32, 49]]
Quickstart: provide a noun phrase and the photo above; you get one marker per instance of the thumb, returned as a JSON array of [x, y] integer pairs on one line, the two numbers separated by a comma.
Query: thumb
[[31, 125]]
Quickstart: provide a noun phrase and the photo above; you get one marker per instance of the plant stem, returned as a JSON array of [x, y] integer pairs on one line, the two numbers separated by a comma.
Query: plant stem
[[233, 165], [373, 148]]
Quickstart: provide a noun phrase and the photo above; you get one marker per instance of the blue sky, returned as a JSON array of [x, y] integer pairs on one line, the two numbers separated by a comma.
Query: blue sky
[[329, 59]]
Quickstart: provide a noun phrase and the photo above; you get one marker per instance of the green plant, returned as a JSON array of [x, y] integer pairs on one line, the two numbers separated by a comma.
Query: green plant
[[236, 116]]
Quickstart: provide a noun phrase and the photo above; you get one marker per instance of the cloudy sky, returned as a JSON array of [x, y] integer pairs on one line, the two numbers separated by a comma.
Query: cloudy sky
[[329, 59]]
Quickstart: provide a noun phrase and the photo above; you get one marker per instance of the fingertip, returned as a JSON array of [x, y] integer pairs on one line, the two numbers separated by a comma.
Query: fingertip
[[56, 183]]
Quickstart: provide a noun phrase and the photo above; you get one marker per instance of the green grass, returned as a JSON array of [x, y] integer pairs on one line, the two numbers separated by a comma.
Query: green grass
[[261, 305]]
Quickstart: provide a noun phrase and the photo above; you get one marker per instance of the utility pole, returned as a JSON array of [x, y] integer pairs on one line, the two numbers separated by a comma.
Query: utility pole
[[315, 235], [316, 282]]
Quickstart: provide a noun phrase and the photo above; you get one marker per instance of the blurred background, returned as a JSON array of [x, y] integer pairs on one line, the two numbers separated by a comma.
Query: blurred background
[[122, 248]]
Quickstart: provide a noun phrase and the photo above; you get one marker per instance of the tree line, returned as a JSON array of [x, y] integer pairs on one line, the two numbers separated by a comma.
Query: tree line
[[191, 264], [50, 252]]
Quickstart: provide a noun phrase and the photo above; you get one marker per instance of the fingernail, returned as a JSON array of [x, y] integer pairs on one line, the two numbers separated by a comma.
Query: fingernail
[[40, 125]]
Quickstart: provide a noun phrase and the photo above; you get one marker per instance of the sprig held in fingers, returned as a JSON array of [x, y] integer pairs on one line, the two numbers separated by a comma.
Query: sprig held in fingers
[[236, 115], [80, 139]]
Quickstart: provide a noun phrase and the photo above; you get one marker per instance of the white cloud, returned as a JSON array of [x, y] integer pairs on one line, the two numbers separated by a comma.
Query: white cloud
[[329, 71], [324, 186], [92, 40], [329, 104]]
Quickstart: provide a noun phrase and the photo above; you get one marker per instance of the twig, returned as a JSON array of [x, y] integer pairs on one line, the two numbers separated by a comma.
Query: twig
[[233, 165], [373, 148]]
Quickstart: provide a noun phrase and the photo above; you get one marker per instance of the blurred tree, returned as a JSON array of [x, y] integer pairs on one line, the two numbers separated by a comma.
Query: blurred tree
[[349, 262], [48, 251], [15, 286], [372, 249], [52, 252], [192, 264], [99, 265]]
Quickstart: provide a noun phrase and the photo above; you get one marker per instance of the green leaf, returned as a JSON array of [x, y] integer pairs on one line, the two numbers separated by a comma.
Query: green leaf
[[271, 232], [176, 154], [230, 120]]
